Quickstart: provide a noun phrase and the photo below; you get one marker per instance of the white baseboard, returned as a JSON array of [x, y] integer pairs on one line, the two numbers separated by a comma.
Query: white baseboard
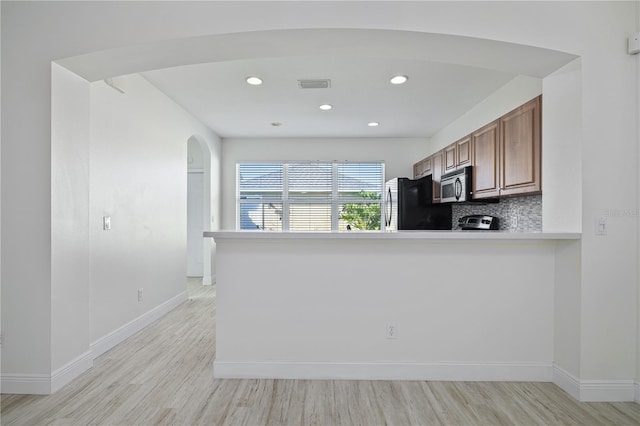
[[533, 372], [607, 391], [595, 390], [582, 390], [34, 384], [107, 342], [42, 384], [566, 381], [71, 370]]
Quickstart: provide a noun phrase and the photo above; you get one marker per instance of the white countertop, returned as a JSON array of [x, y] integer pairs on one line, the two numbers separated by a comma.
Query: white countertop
[[393, 235]]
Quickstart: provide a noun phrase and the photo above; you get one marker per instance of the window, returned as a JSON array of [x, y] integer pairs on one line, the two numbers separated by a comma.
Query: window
[[310, 196]]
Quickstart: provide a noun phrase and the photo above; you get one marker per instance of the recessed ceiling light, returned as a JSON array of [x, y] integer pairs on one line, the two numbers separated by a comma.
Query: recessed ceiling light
[[373, 124], [276, 124], [326, 107], [254, 81], [399, 79]]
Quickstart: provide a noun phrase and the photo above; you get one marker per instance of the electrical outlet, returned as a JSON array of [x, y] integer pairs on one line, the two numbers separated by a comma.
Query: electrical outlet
[[106, 223], [140, 294], [392, 331]]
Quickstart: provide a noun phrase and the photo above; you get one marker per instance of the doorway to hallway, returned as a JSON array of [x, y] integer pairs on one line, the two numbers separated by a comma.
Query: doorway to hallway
[[195, 220]]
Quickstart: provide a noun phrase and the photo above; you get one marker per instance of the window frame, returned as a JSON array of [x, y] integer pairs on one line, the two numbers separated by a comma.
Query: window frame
[[335, 200]]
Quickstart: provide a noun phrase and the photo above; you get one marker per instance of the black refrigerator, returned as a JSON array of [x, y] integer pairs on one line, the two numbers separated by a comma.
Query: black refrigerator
[[408, 206]]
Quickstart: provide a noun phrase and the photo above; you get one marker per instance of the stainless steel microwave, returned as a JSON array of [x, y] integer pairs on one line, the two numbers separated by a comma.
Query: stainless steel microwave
[[455, 187]]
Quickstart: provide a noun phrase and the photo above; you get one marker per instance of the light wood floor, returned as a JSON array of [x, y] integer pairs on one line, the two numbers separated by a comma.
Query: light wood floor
[[162, 375]]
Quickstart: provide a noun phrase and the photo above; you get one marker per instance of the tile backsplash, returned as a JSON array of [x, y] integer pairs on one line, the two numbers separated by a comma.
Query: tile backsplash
[[516, 214]]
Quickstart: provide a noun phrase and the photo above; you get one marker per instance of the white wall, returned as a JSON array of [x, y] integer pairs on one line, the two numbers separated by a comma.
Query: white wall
[[396, 153], [197, 202], [327, 317], [70, 290], [123, 156], [26, 206], [567, 310], [609, 144], [213, 215], [513, 94], [638, 260], [1, 332], [195, 157], [35, 34], [139, 179], [562, 149]]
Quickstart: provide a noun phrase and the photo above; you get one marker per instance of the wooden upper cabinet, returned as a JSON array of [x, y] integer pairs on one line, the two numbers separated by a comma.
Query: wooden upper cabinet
[[520, 150], [426, 166], [450, 158], [457, 155], [505, 155], [437, 164], [417, 170], [484, 151], [463, 152], [422, 168]]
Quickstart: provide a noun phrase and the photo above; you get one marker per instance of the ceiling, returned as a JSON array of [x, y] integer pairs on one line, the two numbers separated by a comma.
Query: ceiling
[[360, 92], [448, 75]]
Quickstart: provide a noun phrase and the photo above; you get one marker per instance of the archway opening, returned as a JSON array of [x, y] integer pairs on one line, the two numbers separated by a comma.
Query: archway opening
[[199, 217]]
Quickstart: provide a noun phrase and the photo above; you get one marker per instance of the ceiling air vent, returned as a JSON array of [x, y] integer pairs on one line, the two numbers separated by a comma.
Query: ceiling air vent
[[314, 84]]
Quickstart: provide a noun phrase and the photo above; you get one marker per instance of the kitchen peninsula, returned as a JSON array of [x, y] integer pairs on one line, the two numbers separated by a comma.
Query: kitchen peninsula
[[415, 305]]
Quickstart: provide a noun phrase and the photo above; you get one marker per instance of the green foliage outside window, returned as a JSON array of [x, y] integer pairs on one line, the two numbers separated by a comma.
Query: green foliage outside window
[[362, 216]]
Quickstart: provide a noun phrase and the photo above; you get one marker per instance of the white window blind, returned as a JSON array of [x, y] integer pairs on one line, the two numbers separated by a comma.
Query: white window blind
[[360, 189], [310, 188], [310, 196], [260, 189]]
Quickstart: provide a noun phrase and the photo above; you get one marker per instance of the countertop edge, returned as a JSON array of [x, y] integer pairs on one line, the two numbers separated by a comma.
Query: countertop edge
[[394, 235]]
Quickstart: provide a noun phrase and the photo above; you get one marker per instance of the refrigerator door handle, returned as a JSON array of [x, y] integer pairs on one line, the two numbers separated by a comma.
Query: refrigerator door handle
[[388, 210]]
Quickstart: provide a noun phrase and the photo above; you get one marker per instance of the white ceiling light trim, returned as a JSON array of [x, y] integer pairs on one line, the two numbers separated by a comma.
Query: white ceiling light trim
[[373, 124], [254, 81], [399, 79]]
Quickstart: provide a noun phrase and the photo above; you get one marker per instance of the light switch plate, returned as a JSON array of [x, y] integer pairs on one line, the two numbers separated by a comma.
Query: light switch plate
[[106, 223], [601, 226]]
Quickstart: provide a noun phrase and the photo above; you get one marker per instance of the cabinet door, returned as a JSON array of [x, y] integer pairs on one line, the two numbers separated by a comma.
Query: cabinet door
[[422, 168], [463, 152], [520, 146], [484, 150], [437, 165], [426, 166], [417, 170], [450, 158]]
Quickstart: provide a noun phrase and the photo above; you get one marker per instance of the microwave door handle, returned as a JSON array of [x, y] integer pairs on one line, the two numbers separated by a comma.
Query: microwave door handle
[[458, 189]]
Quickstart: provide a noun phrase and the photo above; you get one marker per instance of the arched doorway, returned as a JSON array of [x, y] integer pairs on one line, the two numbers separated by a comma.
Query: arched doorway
[[199, 218]]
